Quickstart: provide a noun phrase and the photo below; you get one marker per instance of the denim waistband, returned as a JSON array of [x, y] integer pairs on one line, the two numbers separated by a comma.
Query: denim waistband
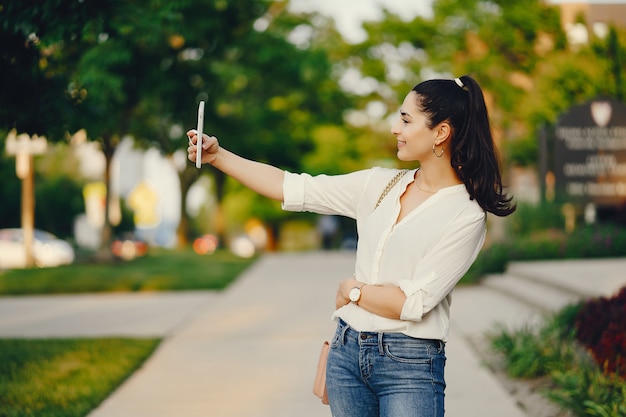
[[378, 338]]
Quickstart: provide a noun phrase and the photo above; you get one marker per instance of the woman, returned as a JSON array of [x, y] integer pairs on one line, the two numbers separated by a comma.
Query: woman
[[417, 238]]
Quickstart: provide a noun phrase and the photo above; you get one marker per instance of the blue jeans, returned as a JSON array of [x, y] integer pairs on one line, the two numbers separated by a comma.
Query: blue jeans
[[384, 375]]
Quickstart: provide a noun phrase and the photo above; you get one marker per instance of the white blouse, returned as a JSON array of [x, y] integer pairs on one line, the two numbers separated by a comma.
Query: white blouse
[[425, 254]]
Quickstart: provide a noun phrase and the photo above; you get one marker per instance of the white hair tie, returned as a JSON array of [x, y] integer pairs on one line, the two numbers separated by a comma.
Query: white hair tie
[[459, 82]]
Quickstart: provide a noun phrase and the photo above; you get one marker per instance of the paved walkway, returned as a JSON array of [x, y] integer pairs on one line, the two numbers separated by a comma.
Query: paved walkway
[[251, 350]]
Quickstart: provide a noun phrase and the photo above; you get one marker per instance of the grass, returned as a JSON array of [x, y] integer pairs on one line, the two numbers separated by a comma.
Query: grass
[[159, 270], [70, 377], [65, 377]]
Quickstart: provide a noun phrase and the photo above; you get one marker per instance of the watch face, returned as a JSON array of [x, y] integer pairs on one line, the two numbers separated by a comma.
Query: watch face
[[355, 294]]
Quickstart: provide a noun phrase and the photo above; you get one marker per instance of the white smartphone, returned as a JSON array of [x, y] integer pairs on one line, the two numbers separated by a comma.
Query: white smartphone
[[199, 132]]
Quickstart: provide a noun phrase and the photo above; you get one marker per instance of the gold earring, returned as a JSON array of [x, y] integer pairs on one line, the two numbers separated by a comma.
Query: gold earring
[[442, 151]]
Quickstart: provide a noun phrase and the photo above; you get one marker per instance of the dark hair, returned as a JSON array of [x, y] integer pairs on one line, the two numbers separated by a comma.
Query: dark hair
[[473, 153]]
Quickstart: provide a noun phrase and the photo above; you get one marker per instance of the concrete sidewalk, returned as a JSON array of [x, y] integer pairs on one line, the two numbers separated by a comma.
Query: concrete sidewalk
[[251, 353], [251, 350]]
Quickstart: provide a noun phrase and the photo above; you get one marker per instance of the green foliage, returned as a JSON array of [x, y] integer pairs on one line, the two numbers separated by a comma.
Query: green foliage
[[587, 392], [538, 235], [138, 67], [532, 353], [524, 354], [10, 189], [160, 270], [534, 218], [271, 95], [127, 221], [500, 42], [33, 96], [578, 384], [65, 377], [571, 72], [241, 204], [58, 191], [490, 260], [522, 152], [58, 195], [601, 241], [332, 149], [517, 50]]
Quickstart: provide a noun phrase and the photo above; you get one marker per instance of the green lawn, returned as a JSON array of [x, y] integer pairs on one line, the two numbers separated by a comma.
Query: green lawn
[[160, 270], [65, 377], [70, 377]]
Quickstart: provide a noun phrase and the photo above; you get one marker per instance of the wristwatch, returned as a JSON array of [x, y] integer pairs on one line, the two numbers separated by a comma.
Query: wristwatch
[[355, 294]]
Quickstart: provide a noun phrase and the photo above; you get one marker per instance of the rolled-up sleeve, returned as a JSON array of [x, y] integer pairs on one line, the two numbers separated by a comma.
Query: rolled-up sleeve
[[413, 308], [443, 266], [293, 191], [324, 194]]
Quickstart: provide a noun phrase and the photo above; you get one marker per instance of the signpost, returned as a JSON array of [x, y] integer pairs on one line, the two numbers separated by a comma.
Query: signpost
[[24, 148], [590, 154]]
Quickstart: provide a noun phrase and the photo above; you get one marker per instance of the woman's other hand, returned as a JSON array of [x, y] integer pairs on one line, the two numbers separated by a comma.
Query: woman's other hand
[[343, 292]]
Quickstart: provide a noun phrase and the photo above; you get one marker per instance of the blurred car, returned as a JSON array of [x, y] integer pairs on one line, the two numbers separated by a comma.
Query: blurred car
[[129, 247], [205, 244], [48, 250]]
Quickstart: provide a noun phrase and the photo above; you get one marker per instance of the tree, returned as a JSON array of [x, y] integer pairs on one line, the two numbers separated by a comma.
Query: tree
[[265, 92], [517, 50], [33, 76], [139, 68], [33, 98], [132, 74]]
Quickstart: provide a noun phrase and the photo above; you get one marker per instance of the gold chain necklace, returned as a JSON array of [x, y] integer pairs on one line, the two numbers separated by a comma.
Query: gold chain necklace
[[417, 184]]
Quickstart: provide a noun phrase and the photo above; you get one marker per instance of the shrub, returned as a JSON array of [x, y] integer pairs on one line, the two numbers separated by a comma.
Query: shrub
[[578, 383], [587, 392], [600, 241], [533, 353], [59, 201], [530, 218], [601, 327], [491, 260]]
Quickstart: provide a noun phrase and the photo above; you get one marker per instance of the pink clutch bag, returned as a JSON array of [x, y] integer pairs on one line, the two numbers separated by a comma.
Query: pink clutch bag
[[319, 385]]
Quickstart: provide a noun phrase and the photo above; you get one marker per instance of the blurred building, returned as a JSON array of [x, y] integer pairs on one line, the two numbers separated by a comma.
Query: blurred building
[[597, 15], [594, 12]]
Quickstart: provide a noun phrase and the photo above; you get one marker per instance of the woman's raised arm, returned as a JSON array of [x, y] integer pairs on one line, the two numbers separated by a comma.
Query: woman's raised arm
[[264, 179]]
